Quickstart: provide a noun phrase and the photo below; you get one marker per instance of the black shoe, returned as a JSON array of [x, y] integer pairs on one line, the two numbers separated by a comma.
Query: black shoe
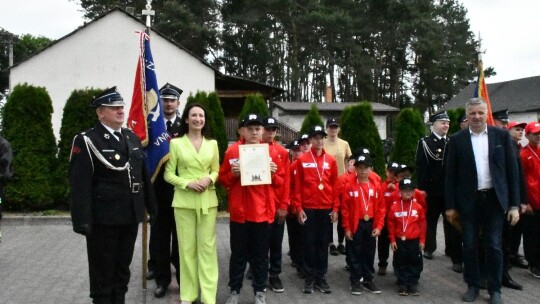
[[535, 272], [150, 275], [495, 298], [341, 249], [483, 284], [457, 268], [322, 285], [371, 287], [508, 282], [382, 270], [402, 290], [470, 295], [160, 291], [333, 250], [275, 283], [413, 290], [519, 262], [308, 287], [428, 255], [356, 288]]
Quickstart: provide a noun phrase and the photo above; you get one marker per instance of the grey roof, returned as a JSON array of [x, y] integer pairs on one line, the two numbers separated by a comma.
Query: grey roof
[[330, 106], [519, 95]]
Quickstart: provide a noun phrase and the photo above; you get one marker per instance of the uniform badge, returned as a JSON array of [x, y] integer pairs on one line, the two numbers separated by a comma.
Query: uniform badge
[[117, 157], [75, 150], [107, 136]]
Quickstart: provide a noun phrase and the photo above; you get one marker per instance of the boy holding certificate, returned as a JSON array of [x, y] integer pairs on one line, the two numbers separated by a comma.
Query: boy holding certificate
[[252, 209]]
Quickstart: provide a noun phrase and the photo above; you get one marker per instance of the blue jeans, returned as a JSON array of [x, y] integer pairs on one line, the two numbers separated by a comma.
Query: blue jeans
[[487, 218]]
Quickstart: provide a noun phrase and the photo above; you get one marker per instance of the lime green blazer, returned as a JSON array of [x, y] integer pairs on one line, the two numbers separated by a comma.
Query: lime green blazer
[[186, 165]]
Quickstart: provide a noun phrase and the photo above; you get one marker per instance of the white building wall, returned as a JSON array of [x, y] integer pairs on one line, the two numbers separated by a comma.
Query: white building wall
[[105, 54]]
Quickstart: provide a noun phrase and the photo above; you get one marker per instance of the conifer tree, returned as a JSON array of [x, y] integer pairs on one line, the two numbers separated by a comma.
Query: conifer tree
[[312, 118], [28, 127], [410, 129], [454, 115], [254, 103], [359, 129]]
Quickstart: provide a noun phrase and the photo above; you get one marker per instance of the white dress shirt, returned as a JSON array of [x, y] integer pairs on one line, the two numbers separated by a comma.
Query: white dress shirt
[[480, 147]]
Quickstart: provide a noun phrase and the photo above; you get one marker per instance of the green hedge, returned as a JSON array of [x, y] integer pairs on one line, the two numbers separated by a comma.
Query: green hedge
[[410, 129]]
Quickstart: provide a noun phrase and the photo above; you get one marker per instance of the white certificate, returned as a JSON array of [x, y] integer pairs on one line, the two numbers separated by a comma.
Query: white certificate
[[255, 165]]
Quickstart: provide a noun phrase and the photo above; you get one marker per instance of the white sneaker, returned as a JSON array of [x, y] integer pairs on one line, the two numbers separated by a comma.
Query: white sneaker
[[233, 298], [260, 297]]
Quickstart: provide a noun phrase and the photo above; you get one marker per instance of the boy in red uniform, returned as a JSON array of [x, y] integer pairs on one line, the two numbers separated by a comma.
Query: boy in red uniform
[[363, 218], [252, 209], [317, 207], [407, 232], [388, 187], [530, 161]]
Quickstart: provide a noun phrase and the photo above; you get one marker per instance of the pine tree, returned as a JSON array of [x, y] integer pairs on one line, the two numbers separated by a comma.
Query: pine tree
[[359, 129], [455, 115], [256, 104], [409, 130], [312, 118], [28, 127]]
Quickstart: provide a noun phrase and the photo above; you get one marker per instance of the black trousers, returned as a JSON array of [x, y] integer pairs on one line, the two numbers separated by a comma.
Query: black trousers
[[164, 247], [383, 247], [452, 237], [408, 263], [249, 242], [516, 233], [531, 238], [110, 251], [340, 231], [296, 249], [362, 253], [275, 240], [315, 236]]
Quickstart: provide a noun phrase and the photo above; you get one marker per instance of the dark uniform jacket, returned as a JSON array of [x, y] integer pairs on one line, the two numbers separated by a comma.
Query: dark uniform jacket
[[429, 165], [101, 195], [165, 191], [461, 178]]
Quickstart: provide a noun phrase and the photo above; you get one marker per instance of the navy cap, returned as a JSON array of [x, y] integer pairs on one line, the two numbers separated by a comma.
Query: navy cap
[[501, 115], [252, 119], [169, 91], [463, 118], [363, 159], [404, 167], [406, 184], [393, 166], [316, 130], [108, 98], [270, 122], [331, 122], [439, 116], [241, 123], [293, 144], [303, 137]]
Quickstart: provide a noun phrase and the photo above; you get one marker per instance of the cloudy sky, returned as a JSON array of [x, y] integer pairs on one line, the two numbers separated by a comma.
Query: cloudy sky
[[508, 29]]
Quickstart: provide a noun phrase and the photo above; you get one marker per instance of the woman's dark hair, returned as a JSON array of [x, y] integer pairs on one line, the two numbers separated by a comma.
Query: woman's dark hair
[[184, 128]]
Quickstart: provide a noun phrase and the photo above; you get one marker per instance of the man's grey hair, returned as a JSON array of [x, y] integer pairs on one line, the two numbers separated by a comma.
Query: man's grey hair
[[475, 102]]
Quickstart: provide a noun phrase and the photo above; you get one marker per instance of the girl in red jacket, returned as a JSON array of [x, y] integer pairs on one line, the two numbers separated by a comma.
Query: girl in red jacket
[[406, 221]]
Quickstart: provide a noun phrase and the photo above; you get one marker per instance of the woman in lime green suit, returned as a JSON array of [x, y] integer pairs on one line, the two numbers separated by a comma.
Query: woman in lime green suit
[[193, 169]]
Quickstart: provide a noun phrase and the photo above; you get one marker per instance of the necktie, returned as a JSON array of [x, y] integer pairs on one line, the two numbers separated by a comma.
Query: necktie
[[121, 139], [169, 125]]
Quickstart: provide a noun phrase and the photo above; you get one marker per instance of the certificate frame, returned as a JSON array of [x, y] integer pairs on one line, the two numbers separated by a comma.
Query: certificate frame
[[254, 165]]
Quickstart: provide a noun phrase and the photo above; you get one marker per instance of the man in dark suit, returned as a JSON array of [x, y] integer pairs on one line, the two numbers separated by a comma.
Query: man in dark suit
[[429, 168], [481, 186], [162, 251], [109, 193]]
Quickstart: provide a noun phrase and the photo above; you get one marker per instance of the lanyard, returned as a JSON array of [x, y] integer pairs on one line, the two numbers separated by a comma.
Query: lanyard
[[366, 205], [403, 224], [529, 146], [321, 186]]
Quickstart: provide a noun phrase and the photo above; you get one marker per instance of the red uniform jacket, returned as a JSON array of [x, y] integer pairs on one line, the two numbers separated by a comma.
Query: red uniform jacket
[[414, 222], [282, 160], [307, 180], [388, 193], [249, 203], [358, 196], [292, 190], [419, 196], [530, 162]]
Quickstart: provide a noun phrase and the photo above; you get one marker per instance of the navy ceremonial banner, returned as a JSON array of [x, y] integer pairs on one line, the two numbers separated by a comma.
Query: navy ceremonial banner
[[146, 114]]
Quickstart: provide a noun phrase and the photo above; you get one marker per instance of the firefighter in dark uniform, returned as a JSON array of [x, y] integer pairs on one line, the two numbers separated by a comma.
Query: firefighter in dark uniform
[[429, 168], [109, 193], [163, 238]]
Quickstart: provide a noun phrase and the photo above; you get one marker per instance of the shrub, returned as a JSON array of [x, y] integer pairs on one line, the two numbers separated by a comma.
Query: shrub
[[312, 118], [410, 129]]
